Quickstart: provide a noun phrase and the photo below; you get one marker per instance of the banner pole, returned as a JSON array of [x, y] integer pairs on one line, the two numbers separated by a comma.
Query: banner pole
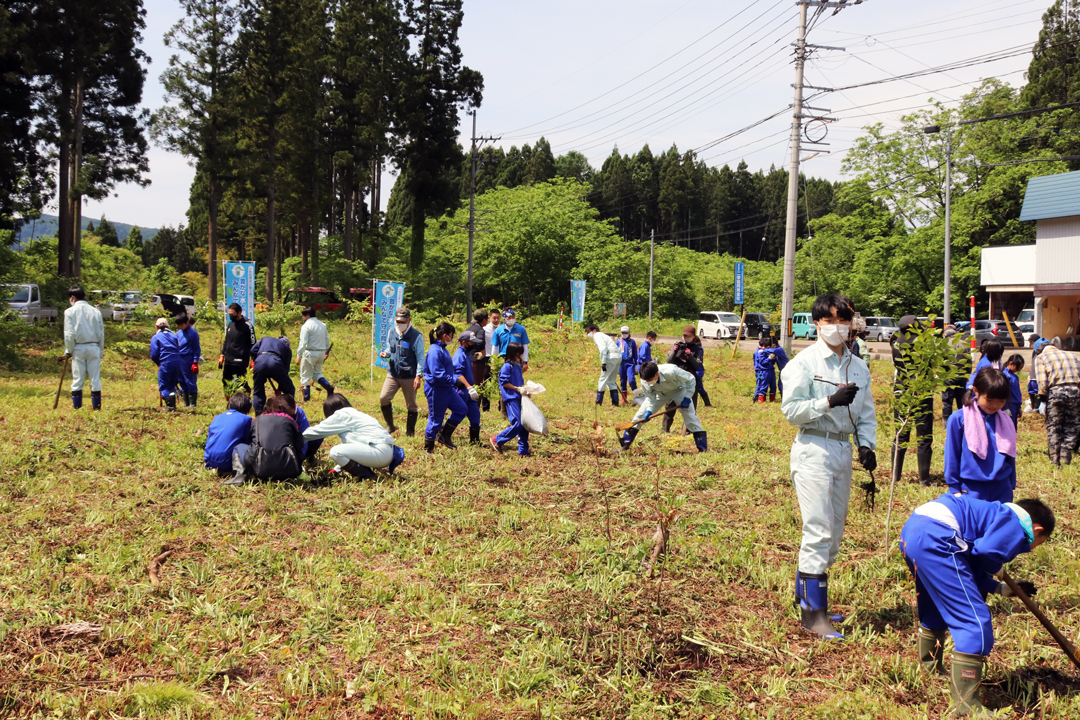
[[374, 307]]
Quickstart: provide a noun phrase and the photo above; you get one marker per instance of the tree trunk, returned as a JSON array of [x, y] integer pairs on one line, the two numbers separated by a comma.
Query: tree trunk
[[416, 256], [350, 220], [271, 235], [313, 240], [63, 232], [280, 254], [74, 192], [212, 238], [303, 232]]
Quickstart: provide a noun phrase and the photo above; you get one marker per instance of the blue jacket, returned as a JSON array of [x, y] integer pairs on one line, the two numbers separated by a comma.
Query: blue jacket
[[271, 350], [227, 430], [406, 352], [504, 336], [164, 348], [629, 350], [962, 464], [644, 354], [983, 363], [992, 532], [190, 349], [1016, 398], [511, 373], [439, 368], [463, 365], [1033, 387], [781, 357], [762, 362]]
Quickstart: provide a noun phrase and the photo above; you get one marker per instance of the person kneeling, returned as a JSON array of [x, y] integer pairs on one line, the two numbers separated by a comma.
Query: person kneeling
[[228, 430], [365, 445], [953, 547], [276, 450], [665, 384]]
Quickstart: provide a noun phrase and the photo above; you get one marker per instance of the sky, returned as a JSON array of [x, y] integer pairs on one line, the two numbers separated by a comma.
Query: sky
[[592, 74]]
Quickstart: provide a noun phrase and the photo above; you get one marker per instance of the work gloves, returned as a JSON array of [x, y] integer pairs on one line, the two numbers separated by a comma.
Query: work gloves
[[220, 361], [195, 368], [685, 402], [867, 458], [844, 395], [1026, 585], [474, 394], [647, 415], [603, 367]]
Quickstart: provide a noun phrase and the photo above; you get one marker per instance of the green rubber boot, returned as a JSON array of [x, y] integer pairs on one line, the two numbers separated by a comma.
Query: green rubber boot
[[967, 673], [932, 650]]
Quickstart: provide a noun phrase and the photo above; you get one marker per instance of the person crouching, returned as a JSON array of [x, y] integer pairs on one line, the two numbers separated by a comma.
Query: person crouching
[[664, 384], [365, 445], [276, 449]]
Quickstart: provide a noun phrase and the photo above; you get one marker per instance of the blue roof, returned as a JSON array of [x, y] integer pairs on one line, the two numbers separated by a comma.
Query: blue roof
[[1052, 196]]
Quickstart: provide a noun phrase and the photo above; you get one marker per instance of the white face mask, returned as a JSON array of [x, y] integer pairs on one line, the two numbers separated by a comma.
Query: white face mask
[[401, 327], [625, 335], [834, 334], [510, 322]]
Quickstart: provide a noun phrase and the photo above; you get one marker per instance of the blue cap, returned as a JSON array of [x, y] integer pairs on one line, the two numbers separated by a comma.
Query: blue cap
[[509, 312], [1039, 343]]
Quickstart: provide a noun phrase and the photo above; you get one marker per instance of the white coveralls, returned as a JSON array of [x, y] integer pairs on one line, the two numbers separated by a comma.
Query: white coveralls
[[363, 439], [610, 357], [314, 342], [84, 340], [672, 384], [821, 456]]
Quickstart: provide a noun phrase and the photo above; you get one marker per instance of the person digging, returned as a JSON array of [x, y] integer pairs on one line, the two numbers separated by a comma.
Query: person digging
[[665, 384]]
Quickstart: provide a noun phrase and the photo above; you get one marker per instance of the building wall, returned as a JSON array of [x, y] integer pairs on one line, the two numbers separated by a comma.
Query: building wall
[[1061, 316], [1058, 250]]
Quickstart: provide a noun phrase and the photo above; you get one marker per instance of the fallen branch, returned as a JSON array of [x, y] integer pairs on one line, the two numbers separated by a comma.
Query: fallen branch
[[155, 565], [78, 629]]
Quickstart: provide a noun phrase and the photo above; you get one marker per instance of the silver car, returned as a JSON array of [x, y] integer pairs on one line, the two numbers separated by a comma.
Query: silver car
[[881, 328]]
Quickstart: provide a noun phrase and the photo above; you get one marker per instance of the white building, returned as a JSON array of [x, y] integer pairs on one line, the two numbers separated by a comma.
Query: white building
[[1048, 272]]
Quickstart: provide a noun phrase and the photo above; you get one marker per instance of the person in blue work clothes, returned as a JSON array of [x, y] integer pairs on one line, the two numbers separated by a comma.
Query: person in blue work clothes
[[270, 359], [668, 386], [439, 379], [980, 441], [227, 430], [781, 363], [765, 371], [512, 385], [827, 397], [290, 408], [1013, 366], [190, 354], [628, 366], [644, 353], [463, 383], [165, 352], [510, 332], [953, 547], [991, 351]]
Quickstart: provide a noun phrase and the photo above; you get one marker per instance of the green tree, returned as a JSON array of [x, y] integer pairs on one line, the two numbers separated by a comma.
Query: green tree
[[1054, 76], [541, 164], [134, 241], [574, 166], [106, 231]]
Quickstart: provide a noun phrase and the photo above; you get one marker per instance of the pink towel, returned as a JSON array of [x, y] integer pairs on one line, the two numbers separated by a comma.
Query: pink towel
[[975, 431]]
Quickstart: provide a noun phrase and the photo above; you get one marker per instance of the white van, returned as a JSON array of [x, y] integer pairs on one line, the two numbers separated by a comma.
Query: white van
[[719, 325]]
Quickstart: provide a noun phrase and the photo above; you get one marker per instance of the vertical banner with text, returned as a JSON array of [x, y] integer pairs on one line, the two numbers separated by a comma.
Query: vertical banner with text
[[240, 288], [387, 298], [577, 301], [740, 282]]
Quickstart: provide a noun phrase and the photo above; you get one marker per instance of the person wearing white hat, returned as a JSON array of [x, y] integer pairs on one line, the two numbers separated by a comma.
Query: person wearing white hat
[[628, 366], [165, 352]]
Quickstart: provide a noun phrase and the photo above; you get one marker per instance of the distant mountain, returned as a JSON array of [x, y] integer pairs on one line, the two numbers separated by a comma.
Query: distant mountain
[[46, 226]]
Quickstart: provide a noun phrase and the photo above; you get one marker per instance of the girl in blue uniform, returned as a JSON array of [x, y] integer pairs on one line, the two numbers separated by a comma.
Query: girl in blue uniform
[[511, 381], [165, 352], [629, 363], [980, 441], [439, 382], [463, 384], [765, 371], [1012, 369], [953, 546]]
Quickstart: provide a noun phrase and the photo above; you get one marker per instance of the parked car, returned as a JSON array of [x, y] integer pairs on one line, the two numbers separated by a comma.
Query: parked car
[[1025, 330], [1026, 316], [719, 325], [757, 325], [125, 303], [317, 297], [991, 330], [881, 328], [363, 295], [25, 299], [802, 326]]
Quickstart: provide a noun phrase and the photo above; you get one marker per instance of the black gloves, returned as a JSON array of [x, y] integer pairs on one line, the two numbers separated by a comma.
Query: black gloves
[[867, 458], [1028, 587], [844, 395], [603, 367]]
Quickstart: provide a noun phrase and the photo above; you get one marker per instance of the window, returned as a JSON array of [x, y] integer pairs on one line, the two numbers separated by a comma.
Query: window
[[707, 317], [870, 322], [729, 317], [21, 294], [33, 294], [888, 322]]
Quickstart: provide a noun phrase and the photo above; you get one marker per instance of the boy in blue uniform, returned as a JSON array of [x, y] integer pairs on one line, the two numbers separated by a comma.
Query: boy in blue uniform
[[439, 379], [271, 358], [980, 441], [190, 353], [463, 384], [644, 354], [227, 430], [165, 352], [628, 365], [510, 332], [765, 371], [953, 546], [512, 384], [1012, 369]]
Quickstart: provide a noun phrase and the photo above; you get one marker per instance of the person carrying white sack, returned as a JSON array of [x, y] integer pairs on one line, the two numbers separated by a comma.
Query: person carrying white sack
[[365, 444]]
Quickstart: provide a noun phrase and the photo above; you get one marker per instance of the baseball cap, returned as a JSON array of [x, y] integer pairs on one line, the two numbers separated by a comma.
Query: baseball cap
[[509, 312], [403, 313], [468, 336], [624, 329], [161, 322]]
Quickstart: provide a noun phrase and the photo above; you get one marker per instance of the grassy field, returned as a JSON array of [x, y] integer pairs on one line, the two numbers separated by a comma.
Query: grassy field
[[474, 585]]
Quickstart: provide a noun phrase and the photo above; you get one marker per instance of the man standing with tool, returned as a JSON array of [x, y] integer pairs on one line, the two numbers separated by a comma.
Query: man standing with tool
[[1057, 373], [84, 343], [314, 348], [827, 397]]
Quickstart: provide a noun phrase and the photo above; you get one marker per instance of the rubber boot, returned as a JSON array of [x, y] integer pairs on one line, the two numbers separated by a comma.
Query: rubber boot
[[772, 397], [95, 399], [326, 386], [474, 434], [194, 399], [388, 416], [702, 441], [705, 397], [170, 403], [358, 471], [429, 445], [966, 675], [833, 617], [410, 423], [615, 398], [761, 398], [924, 466], [813, 593], [399, 457], [239, 473], [187, 399], [622, 394], [306, 391], [599, 397], [932, 650], [444, 438], [76, 399], [898, 465], [628, 438]]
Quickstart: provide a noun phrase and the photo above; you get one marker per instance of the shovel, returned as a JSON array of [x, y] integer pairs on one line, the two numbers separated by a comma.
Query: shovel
[[623, 427], [63, 374]]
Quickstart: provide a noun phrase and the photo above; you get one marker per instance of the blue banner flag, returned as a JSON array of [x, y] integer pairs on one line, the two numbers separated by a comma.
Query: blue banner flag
[[240, 288], [389, 296], [740, 282], [577, 301]]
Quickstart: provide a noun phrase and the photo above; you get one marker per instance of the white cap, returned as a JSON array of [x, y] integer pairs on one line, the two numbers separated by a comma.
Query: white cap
[[624, 329], [161, 322]]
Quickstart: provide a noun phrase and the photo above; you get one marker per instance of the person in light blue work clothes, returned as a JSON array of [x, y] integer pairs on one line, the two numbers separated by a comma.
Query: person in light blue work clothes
[[628, 366], [827, 397], [463, 384], [764, 371], [190, 354], [365, 445], [668, 386], [980, 441], [512, 385], [953, 547], [439, 379], [228, 430], [510, 332], [84, 344], [610, 358], [311, 353], [271, 358], [165, 352]]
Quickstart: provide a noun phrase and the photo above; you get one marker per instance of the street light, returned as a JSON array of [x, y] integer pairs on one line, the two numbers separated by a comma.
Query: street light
[[931, 130]]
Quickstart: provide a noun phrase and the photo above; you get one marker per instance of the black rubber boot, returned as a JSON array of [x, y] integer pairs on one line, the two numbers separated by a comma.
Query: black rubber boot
[[599, 397], [306, 391], [705, 397], [95, 399], [701, 441], [628, 438], [170, 403], [924, 466], [76, 399], [932, 650], [187, 399], [444, 438], [194, 399], [388, 416], [898, 465], [615, 397], [966, 676], [474, 434], [358, 471], [325, 384], [239, 473], [410, 424], [814, 606], [429, 445]]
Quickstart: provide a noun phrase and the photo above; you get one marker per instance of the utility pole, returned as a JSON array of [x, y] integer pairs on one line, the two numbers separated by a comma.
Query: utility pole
[[652, 258], [948, 230], [476, 143]]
